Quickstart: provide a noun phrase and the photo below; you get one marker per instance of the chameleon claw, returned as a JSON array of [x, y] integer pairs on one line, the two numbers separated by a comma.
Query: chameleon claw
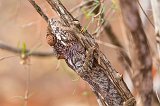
[[130, 102], [119, 76], [60, 57]]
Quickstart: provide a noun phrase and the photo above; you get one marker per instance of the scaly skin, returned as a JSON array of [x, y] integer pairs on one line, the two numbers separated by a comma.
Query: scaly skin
[[67, 47]]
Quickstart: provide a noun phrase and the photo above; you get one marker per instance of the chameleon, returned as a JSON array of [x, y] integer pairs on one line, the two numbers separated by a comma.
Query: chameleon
[[83, 61]]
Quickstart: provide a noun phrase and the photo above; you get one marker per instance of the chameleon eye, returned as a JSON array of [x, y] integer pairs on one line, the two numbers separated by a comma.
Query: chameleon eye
[[51, 40]]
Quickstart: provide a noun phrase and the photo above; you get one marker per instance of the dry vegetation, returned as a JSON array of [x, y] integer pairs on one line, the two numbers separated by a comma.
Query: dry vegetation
[[44, 80]]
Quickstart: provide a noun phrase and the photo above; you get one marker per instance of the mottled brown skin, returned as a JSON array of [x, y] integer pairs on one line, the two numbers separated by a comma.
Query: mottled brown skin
[[69, 48]]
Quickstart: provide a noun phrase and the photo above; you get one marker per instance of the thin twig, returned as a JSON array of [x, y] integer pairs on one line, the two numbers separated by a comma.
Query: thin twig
[[61, 11], [145, 13], [80, 5], [110, 45], [16, 50], [157, 96], [39, 10]]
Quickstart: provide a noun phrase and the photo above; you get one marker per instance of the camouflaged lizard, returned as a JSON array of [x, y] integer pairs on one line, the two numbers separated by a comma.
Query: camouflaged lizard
[[81, 53], [66, 45]]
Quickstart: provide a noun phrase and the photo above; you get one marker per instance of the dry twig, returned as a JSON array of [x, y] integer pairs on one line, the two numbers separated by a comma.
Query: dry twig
[[6, 47]]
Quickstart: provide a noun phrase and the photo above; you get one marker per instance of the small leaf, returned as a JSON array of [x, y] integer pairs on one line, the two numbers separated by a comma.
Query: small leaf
[[23, 50]]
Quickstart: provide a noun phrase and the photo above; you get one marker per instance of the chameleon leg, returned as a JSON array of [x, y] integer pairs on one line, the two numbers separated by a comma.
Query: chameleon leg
[[89, 58], [129, 102]]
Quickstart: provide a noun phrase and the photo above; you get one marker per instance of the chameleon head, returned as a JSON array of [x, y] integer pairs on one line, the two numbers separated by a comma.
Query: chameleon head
[[56, 29], [50, 37], [51, 40], [56, 38]]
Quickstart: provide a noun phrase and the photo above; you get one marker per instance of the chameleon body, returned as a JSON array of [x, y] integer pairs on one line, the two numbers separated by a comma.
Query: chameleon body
[[67, 47]]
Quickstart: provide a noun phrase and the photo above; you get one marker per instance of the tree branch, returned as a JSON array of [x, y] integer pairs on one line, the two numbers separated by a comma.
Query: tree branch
[[156, 15], [142, 61], [39, 10], [104, 79], [145, 13]]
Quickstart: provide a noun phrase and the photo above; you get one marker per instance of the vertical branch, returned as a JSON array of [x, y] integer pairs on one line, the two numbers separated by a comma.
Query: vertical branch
[[144, 5], [156, 15], [142, 62]]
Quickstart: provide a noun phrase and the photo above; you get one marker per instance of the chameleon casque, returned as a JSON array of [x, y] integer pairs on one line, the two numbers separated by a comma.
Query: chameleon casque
[[66, 46]]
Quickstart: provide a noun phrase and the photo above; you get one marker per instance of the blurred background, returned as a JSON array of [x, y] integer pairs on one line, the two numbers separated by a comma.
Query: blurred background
[[48, 81]]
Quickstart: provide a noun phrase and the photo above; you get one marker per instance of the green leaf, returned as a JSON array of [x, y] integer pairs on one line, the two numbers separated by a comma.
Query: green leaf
[[23, 50]]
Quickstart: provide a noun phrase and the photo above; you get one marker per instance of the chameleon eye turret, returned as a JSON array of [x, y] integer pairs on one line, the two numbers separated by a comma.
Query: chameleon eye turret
[[51, 40]]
